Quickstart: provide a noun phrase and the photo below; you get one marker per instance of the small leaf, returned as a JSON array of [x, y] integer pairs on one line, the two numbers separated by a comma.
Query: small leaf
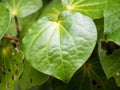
[[112, 20], [31, 77], [4, 20], [91, 8], [61, 47], [23, 8], [11, 66]]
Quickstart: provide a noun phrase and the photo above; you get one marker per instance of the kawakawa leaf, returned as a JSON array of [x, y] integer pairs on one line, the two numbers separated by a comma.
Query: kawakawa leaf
[[61, 47], [11, 66], [22, 8], [31, 77], [112, 20], [4, 20], [91, 8]]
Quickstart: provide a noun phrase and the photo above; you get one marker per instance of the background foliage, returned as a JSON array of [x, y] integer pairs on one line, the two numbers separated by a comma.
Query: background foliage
[[59, 45]]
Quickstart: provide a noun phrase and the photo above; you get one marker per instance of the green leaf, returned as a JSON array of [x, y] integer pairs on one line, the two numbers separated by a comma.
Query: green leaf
[[4, 20], [53, 9], [91, 8], [90, 77], [61, 47], [31, 77], [111, 64], [23, 8], [112, 20], [11, 66]]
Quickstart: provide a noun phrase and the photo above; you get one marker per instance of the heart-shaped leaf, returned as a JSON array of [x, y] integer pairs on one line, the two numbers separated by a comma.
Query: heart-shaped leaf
[[4, 20], [23, 8], [112, 20], [91, 8], [61, 47]]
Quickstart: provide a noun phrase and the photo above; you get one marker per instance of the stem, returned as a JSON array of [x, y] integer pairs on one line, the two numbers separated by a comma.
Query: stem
[[17, 26], [11, 38]]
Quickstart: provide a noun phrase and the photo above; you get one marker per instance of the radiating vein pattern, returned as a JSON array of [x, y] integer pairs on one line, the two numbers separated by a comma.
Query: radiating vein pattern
[[60, 48]]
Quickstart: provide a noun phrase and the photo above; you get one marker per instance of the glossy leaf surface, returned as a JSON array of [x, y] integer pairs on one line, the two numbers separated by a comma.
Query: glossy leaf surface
[[23, 8], [4, 20], [60, 48], [112, 20], [91, 8]]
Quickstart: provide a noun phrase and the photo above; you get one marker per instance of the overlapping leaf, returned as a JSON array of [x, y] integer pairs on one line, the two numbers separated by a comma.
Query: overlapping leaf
[[112, 20], [4, 20], [53, 9], [91, 8], [11, 66], [111, 64], [59, 48], [89, 77], [23, 8], [31, 77]]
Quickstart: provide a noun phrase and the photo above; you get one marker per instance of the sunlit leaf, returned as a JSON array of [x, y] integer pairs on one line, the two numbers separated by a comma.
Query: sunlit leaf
[[112, 20], [91, 8], [61, 47], [22, 8]]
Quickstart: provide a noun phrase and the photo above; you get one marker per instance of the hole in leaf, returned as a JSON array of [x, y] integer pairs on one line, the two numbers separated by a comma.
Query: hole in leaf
[[9, 70], [23, 61], [0, 80], [16, 72], [31, 80], [87, 66], [12, 77], [94, 82], [75, 88], [16, 64], [98, 86], [3, 72], [118, 74], [7, 85], [109, 47]]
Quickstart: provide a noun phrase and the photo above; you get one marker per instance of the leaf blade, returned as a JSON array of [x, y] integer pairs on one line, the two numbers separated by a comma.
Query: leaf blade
[[55, 43]]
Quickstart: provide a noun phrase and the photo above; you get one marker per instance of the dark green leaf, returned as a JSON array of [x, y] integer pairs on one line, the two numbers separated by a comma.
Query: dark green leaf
[[61, 47], [4, 20], [89, 77]]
